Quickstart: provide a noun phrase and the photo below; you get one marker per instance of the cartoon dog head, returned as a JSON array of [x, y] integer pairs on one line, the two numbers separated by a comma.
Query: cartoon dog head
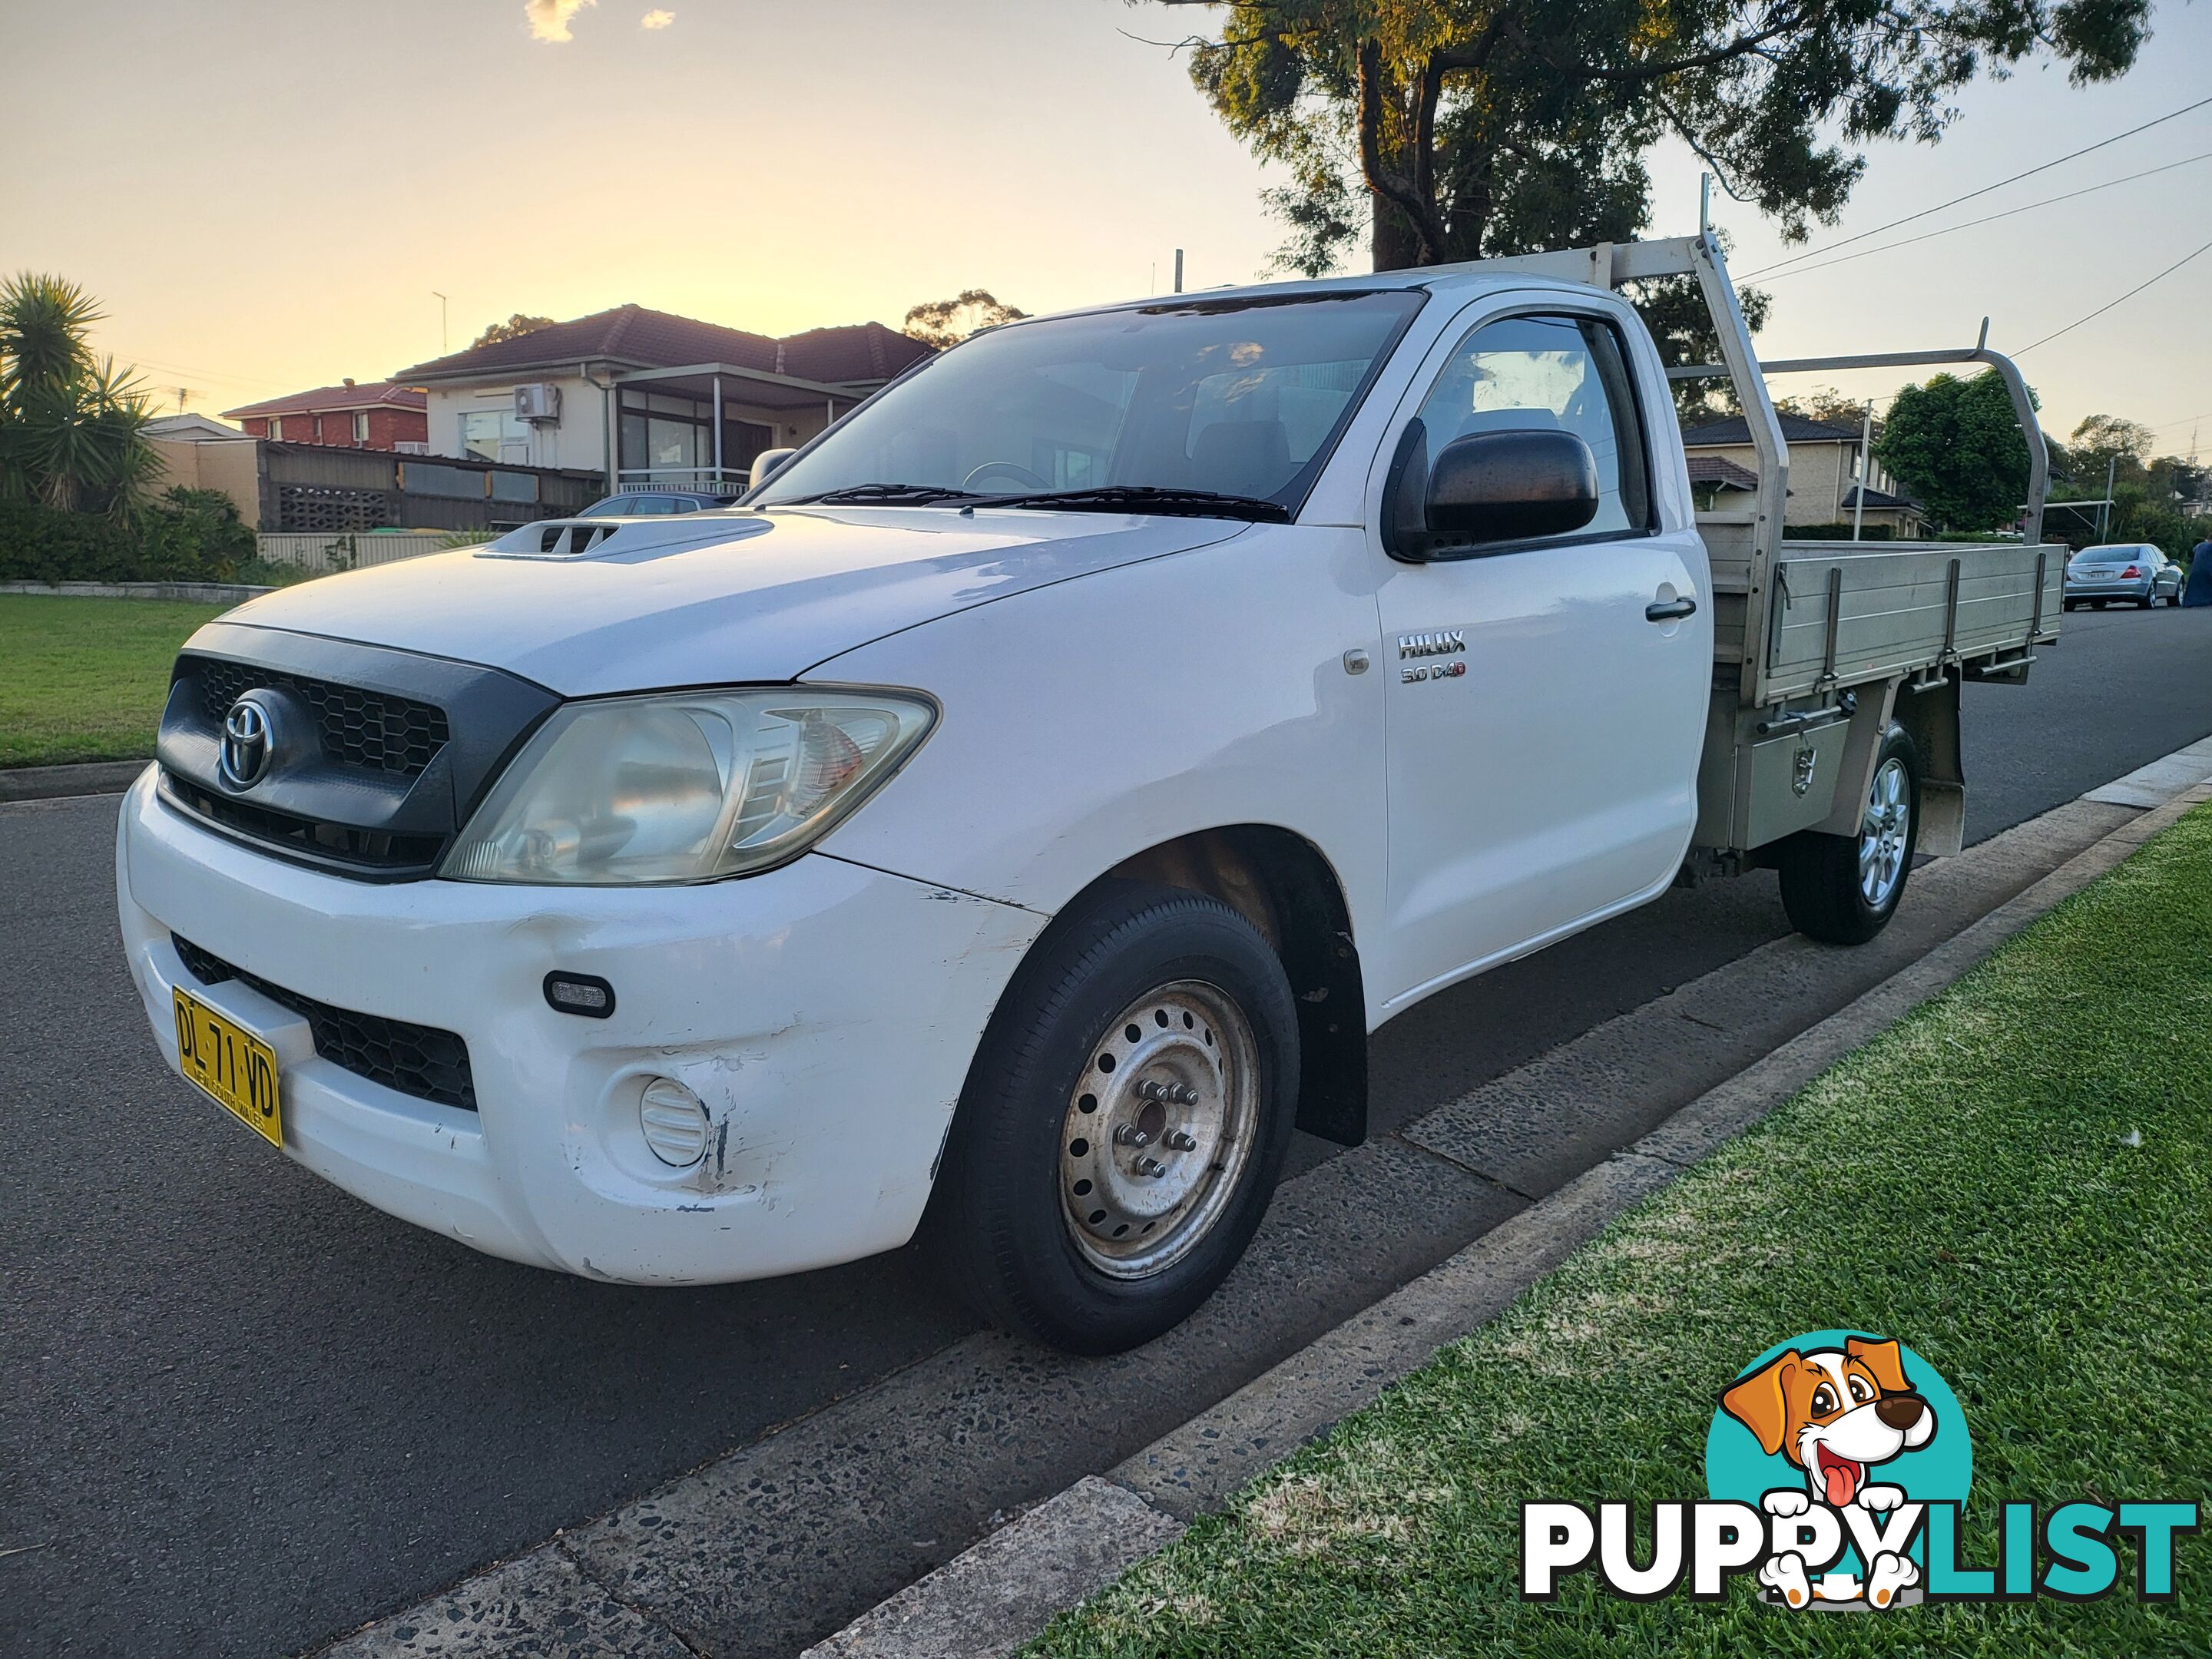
[[1833, 1412]]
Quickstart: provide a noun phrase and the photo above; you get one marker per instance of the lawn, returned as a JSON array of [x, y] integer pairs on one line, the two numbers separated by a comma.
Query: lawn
[[85, 679], [2016, 1181]]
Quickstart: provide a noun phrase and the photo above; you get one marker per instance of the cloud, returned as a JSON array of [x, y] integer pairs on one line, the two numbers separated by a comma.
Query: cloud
[[549, 19], [656, 20]]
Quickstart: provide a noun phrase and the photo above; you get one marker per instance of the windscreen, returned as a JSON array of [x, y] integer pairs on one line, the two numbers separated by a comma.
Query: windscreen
[[1240, 398]]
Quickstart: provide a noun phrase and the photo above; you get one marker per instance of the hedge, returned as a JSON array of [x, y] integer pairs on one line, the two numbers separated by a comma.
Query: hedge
[[188, 535], [1835, 532]]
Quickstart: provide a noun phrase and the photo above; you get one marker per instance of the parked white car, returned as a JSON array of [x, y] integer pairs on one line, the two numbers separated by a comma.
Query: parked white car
[[1018, 815]]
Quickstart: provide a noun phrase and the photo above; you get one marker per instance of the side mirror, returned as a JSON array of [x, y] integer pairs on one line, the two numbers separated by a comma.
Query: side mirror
[[1506, 486], [766, 463], [1510, 486]]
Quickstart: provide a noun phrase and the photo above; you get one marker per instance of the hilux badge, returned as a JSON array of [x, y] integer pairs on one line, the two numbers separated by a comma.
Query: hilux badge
[[1442, 643]]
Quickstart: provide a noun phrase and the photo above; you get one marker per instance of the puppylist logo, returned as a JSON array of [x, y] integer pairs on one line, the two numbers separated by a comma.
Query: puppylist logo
[[1836, 1467]]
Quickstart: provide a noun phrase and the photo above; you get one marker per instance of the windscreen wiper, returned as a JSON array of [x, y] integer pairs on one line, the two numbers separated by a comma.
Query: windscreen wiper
[[902, 494], [1145, 498]]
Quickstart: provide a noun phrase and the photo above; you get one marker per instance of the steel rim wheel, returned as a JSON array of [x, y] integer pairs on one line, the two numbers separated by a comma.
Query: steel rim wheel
[[1158, 1129], [1883, 834]]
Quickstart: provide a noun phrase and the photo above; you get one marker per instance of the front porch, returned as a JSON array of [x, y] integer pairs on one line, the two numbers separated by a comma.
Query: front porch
[[665, 432]]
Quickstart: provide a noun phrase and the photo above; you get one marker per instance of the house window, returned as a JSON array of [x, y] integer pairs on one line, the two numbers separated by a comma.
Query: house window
[[276, 428], [671, 440], [360, 426], [485, 431]]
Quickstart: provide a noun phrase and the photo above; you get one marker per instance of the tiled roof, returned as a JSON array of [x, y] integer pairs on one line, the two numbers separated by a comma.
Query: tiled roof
[[640, 338], [1719, 469], [1878, 498], [1795, 429], [323, 399]]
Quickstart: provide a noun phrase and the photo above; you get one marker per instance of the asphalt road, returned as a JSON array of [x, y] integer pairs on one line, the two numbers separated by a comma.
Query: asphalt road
[[245, 1413]]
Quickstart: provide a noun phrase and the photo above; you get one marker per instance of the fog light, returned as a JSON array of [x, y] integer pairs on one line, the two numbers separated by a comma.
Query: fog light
[[674, 1122]]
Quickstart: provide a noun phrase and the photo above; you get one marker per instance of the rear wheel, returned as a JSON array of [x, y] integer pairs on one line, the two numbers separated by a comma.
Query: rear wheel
[[2148, 599], [1842, 890], [1124, 1122]]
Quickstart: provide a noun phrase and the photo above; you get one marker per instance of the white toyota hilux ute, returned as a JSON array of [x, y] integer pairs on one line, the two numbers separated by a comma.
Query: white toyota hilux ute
[[1010, 822]]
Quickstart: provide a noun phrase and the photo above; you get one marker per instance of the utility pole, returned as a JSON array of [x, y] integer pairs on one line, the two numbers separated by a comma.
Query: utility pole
[[1866, 470], [183, 392], [444, 344], [2104, 513], [1178, 286]]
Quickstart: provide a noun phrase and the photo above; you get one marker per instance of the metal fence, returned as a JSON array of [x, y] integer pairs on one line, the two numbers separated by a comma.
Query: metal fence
[[319, 554]]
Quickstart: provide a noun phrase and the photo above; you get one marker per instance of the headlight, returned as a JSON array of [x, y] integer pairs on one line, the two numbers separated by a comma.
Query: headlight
[[685, 786]]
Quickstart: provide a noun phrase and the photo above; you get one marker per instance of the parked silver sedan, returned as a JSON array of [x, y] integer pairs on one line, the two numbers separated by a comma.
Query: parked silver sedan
[[2134, 572]]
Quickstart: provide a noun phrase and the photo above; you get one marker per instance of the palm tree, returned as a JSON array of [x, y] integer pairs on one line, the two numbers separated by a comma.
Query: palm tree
[[72, 430]]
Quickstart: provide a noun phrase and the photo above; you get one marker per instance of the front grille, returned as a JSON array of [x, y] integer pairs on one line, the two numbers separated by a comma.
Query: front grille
[[374, 849], [371, 729], [420, 1061]]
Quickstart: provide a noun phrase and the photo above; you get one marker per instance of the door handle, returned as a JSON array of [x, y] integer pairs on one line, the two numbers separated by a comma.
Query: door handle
[[1670, 610]]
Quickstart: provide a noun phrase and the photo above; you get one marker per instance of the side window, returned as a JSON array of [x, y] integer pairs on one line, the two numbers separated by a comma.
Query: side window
[[1556, 373]]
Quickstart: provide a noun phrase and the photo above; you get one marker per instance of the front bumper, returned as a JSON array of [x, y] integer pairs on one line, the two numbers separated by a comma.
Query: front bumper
[[825, 1013]]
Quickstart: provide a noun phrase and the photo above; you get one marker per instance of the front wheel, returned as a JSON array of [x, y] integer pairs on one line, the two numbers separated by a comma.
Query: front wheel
[[1124, 1122], [1842, 890]]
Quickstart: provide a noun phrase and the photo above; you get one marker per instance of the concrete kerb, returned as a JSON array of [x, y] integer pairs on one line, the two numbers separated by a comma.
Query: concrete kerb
[[55, 782], [989, 1600], [199, 593]]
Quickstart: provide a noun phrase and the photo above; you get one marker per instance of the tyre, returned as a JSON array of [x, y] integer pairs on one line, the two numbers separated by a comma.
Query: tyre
[[1124, 1121], [1842, 890], [2148, 600], [2096, 604]]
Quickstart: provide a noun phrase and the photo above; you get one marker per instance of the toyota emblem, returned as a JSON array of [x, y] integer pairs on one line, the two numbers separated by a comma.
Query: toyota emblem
[[247, 732]]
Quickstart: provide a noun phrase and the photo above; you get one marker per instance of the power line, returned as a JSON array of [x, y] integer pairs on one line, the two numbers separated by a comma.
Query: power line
[[2045, 168], [137, 361], [2130, 295], [2048, 201]]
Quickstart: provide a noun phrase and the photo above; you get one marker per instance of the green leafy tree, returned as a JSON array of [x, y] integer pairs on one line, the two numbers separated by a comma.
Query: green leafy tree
[[513, 329], [943, 323], [72, 428], [1455, 128], [1957, 446]]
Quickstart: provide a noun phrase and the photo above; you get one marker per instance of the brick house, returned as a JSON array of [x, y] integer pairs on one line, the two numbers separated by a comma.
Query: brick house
[[1825, 465], [381, 415]]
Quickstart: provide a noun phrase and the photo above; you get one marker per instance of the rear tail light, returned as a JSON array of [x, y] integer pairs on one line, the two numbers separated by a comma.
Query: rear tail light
[[2132, 570]]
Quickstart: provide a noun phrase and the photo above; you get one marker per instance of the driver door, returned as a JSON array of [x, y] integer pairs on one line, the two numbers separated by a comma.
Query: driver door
[[1545, 700]]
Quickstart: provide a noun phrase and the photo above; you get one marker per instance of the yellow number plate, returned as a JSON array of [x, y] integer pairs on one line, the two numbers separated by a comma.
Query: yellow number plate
[[231, 1064]]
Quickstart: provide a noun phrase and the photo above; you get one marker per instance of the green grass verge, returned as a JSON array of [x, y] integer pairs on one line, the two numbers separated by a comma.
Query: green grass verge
[[2013, 1181], [85, 679]]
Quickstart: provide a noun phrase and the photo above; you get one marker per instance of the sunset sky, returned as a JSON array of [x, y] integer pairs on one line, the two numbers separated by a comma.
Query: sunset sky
[[267, 194]]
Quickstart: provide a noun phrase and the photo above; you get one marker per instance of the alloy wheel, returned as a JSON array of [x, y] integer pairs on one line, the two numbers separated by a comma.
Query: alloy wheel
[[1884, 834]]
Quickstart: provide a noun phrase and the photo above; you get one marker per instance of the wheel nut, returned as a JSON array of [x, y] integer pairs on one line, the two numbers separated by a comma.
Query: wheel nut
[[1152, 1167], [1149, 1089], [1181, 1094], [1179, 1140], [1128, 1135]]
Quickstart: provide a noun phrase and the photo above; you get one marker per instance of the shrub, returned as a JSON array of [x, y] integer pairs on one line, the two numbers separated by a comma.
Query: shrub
[[189, 535]]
